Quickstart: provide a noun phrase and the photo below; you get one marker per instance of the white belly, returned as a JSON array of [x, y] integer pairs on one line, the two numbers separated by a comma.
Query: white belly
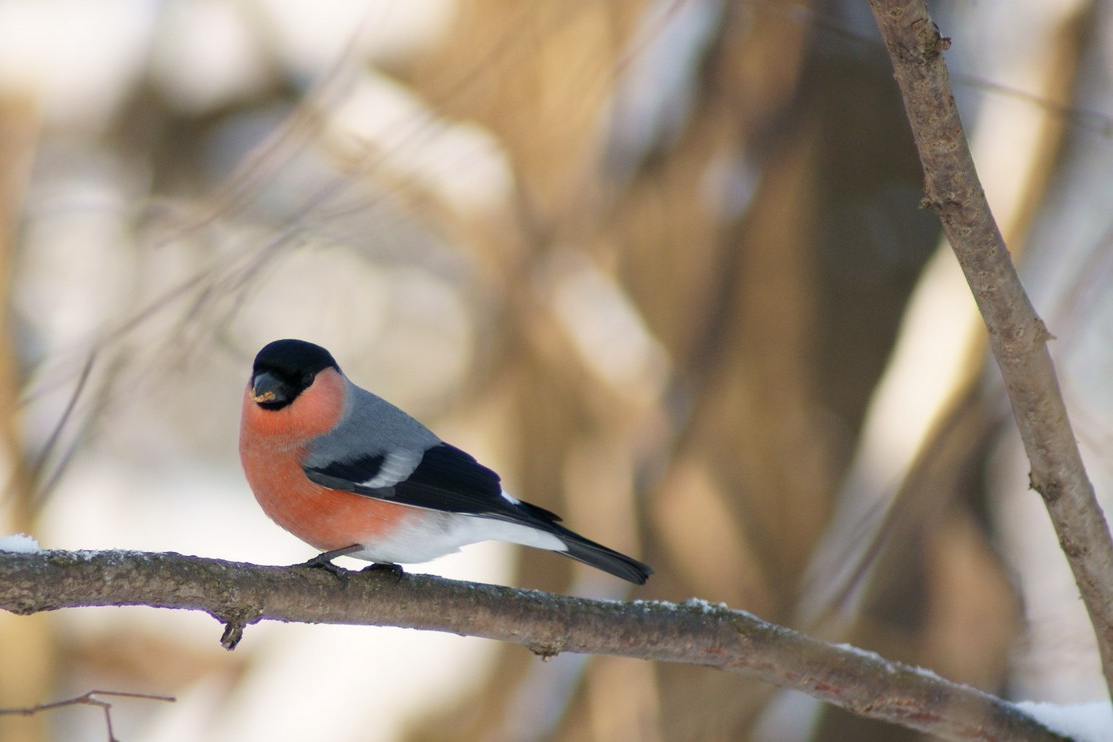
[[444, 533]]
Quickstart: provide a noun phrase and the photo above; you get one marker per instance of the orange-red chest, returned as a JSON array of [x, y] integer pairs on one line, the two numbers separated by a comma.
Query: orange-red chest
[[273, 444]]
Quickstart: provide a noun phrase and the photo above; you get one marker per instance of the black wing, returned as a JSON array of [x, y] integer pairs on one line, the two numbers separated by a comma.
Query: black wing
[[446, 479], [451, 480]]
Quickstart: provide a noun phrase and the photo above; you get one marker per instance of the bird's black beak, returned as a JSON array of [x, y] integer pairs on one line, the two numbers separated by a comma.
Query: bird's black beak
[[267, 389]]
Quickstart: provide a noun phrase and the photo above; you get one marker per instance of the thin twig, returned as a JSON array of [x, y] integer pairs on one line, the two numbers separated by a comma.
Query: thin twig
[[88, 699], [1017, 336], [693, 632]]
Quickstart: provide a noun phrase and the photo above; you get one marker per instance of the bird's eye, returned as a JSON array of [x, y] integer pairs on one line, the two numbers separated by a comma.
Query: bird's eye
[[307, 380]]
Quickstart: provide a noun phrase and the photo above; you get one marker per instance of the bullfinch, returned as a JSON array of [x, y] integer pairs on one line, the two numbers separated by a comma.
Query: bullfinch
[[351, 474]]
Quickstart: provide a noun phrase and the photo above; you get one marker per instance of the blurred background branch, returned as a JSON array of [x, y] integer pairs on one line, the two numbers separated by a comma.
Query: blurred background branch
[[92, 698]]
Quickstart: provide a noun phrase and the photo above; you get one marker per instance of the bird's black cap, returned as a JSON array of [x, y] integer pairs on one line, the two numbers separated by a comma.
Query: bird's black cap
[[284, 369], [294, 358]]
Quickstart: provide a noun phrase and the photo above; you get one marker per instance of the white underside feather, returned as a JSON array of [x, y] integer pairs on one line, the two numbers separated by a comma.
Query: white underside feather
[[444, 533]]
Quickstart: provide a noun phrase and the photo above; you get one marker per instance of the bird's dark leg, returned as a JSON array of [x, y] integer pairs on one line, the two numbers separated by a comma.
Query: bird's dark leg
[[324, 561]]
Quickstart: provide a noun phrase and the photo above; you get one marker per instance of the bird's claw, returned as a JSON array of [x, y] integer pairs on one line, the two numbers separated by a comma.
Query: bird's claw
[[324, 561], [338, 572]]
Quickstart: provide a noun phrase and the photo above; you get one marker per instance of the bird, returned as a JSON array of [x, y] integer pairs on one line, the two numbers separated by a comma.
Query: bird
[[350, 474]]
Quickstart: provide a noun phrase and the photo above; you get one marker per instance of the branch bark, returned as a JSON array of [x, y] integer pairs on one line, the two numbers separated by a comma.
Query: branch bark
[[693, 632], [1018, 337]]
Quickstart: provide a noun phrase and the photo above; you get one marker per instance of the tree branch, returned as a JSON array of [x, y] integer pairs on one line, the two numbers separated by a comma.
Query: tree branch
[[1017, 336], [693, 632]]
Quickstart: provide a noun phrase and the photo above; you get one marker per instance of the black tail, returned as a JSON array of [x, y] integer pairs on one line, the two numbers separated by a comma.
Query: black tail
[[600, 557], [579, 548]]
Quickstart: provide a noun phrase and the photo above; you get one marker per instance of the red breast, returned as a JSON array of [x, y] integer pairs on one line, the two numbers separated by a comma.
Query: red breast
[[273, 444]]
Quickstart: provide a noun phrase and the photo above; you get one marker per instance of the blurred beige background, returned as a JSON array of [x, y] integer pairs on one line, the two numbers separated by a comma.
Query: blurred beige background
[[660, 263]]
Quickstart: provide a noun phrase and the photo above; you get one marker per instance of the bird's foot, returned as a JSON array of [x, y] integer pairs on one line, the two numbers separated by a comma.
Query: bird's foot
[[324, 561]]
